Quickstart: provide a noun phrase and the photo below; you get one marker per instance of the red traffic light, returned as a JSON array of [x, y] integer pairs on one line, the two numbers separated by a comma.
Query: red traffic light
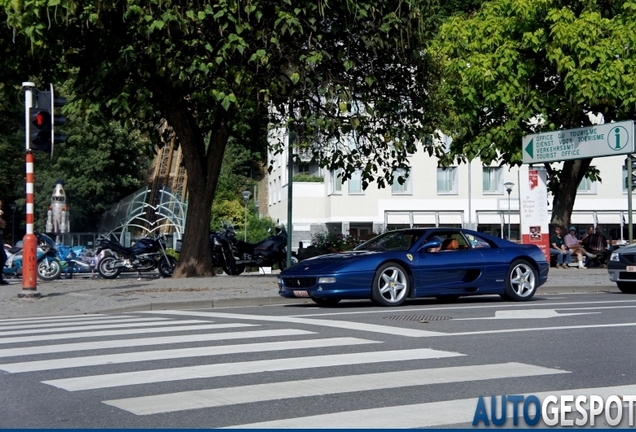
[[41, 119]]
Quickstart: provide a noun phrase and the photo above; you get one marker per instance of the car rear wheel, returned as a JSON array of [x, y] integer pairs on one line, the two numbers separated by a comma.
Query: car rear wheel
[[390, 285], [627, 287], [326, 301], [521, 281]]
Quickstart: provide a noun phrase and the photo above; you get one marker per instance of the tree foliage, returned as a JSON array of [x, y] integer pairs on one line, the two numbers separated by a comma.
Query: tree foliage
[[554, 61], [218, 71]]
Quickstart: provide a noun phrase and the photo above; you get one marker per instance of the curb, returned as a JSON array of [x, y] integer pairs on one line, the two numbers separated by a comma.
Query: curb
[[204, 304]]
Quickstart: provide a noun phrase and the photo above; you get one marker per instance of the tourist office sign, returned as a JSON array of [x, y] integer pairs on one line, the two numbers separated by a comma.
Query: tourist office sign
[[588, 142]]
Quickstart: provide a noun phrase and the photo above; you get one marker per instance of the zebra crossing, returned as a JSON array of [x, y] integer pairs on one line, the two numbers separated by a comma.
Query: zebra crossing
[[81, 345]]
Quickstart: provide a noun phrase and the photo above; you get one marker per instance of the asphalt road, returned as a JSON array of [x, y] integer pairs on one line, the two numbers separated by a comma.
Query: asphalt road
[[295, 365]]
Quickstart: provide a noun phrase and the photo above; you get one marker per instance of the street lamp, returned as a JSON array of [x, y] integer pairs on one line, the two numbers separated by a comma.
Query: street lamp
[[246, 198], [12, 207], [508, 186]]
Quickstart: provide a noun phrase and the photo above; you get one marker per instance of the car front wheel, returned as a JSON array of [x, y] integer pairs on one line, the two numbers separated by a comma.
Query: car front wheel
[[390, 285], [627, 287], [521, 281]]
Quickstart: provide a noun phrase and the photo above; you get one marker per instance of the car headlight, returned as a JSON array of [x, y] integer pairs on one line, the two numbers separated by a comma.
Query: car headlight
[[615, 256], [327, 280]]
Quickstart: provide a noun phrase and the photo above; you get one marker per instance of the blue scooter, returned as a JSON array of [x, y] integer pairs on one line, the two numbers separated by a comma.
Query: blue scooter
[[49, 266]]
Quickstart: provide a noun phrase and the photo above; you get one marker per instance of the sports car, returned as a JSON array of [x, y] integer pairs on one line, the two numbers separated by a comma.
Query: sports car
[[419, 262]]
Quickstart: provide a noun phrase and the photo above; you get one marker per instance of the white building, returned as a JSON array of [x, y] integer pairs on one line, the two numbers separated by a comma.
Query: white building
[[470, 196]]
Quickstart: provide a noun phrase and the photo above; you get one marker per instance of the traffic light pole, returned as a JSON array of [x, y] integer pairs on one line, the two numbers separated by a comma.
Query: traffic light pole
[[29, 243]]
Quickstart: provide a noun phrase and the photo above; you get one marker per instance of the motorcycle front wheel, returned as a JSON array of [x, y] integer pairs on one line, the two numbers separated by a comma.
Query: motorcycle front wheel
[[238, 269], [49, 270], [282, 264], [166, 266], [107, 268]]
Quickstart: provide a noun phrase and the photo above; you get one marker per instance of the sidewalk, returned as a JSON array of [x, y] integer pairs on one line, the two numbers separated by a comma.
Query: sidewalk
[[81, 295]]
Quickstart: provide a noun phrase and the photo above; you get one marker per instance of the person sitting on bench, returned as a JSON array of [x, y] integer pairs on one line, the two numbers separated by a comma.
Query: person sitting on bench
[[596, 243]]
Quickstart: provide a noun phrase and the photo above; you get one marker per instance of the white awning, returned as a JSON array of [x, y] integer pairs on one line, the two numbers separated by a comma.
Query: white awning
[[489, 218], [608, 218], [398, 218], [450, 219], [582, 218], [514, 218], [424, 219]]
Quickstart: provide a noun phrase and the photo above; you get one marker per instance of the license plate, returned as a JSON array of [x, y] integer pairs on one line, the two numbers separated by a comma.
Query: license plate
[[631, 268], [301, 294]]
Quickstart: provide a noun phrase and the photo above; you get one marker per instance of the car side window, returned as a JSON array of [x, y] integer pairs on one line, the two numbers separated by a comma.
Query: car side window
[[478, 242], [452, 241]]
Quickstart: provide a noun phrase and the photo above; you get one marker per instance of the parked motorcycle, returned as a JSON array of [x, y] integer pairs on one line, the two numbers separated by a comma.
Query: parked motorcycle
[[147, 254], [49, 266], [234, 255]]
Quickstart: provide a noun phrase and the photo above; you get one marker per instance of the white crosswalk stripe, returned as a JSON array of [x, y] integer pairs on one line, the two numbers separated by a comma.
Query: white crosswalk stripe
[[172, 402], [59, 319], [140, 322], [15, 322], [176, 326], [226, 369], [142, 356], [123, 343], [288, 350], [434, 414], [37, 327]]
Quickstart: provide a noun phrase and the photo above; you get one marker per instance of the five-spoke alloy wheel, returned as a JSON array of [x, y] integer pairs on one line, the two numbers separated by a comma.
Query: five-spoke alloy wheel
[[521, 281], [390, 286]]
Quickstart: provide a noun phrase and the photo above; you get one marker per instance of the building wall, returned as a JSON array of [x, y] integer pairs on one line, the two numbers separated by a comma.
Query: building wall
[[317, 208]]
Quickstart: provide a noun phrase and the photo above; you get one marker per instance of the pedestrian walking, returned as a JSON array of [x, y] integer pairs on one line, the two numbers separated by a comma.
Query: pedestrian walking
[[558, 248], [3, 254]]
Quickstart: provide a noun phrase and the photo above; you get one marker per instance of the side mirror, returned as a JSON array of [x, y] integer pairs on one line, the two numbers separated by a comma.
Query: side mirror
[[432, 244]]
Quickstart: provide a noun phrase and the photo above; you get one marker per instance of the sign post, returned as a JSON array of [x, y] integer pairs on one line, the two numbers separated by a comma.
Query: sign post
[[588, 142]]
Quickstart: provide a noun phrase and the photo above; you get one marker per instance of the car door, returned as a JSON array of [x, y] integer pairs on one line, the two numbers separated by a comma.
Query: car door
[[453, 269]]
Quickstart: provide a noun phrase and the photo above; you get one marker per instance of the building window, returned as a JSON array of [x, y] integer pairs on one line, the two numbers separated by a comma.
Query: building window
[[447, 180], [303, 168], [355, 183], [335, 182], [587, 186], [492, 180], [396, 187]]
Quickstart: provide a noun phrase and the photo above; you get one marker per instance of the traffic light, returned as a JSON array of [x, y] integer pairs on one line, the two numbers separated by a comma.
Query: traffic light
[[632, 174], [44, 120], [41, 124]]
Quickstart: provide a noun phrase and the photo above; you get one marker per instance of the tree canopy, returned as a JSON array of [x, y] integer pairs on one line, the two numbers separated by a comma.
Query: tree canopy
[[225, 69], [522, 66]]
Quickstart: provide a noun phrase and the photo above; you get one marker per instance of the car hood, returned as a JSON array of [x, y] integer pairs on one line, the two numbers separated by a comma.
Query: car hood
[[329, 262], [627, 249]]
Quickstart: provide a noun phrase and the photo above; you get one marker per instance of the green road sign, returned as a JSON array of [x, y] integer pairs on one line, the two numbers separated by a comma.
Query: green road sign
[[593, 141]]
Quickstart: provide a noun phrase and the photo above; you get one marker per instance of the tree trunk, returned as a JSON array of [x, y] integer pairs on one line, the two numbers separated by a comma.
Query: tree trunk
[[565, 192], [203, 164]]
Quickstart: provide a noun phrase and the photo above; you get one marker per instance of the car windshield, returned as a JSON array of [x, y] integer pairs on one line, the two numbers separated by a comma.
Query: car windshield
[[392, 241]]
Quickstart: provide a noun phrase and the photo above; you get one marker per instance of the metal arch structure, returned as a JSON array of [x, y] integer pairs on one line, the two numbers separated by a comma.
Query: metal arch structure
[[135, 215]]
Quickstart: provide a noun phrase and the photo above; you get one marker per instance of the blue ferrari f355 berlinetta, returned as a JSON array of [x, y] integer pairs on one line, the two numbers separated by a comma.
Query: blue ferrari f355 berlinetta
[[420, 262]]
